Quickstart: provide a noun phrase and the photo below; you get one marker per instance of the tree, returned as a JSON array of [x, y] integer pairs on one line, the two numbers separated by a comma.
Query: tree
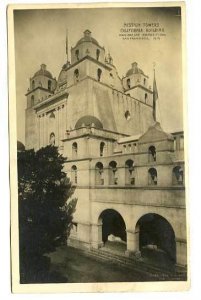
[[45, 208]]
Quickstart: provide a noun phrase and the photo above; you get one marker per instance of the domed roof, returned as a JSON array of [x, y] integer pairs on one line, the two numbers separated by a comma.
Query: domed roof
[[88, 121], [87, 38], [43, 72], [20, 146], [134, 70]]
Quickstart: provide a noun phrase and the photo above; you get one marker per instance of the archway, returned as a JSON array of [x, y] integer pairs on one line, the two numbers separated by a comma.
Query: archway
[[113, 233], [156, 239]]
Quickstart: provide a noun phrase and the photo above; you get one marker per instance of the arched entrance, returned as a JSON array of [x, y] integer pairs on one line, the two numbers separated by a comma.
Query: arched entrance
[[113, 233], [156, 238]]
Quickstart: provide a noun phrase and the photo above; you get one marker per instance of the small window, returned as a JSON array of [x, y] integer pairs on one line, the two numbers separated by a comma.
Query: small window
[[125, 149], [97, 54], [177, 176], [152, 154], [145, 97], [77, 54], [74, 174], [99, 179], [128, 83], [76, 75], [33, 85], [52, 139], [113, 176], [102, 149], [74, 150], [49, 85], [129, 172], [144, 81], [181, 142], [99, 72], [152, 173], [127, 115]]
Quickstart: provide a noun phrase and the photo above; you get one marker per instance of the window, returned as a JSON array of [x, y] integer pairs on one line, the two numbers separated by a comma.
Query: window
[[128, 83], [129, 148], [97, 54], [77, 54], [127, 115], [74, 150], [32, 100], [74, 174], [177, 176], [145, 97], [76, 75], [129, 172], [125, 150], [52, 139], [181, 142], [113, 176], [144, 81], [152, 154], [33, 85], [102, 149], [152, 176], [99, 180], [99, 72], [49, 85]]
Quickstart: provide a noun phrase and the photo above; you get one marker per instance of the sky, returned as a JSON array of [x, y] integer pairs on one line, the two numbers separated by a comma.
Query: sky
[[40, 36]]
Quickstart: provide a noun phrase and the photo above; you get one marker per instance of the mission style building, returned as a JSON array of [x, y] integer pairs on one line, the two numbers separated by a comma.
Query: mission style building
[[128, 172]]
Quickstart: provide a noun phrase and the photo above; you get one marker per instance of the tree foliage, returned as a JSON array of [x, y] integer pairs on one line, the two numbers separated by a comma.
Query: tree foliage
[[45, 210]]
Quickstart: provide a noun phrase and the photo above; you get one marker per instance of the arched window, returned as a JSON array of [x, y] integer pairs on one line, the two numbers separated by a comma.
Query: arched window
[[145, 97], [99, 72], [129, 172], [129, 148], [52, 139], [74, 150], [152, 154], [177, 176], [77, 54], [113, 176], [152, 179], [49, 85], [32, 100], [33, 85], [127, 115], [74, 174], [125, 149], [99, 180], [128, 83], [102, 149], [97, 54], [76, 75]]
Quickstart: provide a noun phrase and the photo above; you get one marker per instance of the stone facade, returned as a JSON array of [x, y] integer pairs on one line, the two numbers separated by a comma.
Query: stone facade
[[120, 159]]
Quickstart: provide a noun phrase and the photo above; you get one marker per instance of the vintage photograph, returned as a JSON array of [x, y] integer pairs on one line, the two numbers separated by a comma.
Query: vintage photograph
[[97, 147]]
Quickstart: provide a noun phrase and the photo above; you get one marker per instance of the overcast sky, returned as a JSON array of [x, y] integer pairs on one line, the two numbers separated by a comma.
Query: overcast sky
[[40, 38]]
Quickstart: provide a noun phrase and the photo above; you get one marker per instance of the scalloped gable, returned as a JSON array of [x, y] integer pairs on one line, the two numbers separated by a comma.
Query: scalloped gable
[[155, 134]]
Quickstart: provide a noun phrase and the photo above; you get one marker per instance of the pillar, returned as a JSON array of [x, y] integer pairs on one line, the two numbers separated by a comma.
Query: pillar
[[96, 236], [181, 252], [132, 242]]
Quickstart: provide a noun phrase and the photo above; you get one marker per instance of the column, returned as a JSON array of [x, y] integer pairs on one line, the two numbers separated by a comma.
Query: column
[[44, 131], [133, 243], [181, 252], [38, 131], [96, 236], [57, 127]]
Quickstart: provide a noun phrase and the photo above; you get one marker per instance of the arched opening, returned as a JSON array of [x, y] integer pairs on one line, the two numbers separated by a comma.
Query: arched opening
[[99, 180], [129, 172], [152, 176], [177, 176], [113, 233], [152, 154], [128, 81], [156, 239], [74, 150], [76, 75], [97, 54], [49, 85], [127, 115], [52, 139], [77, 54], [99, 72], [102, 149], [113, 176], [32, 100], [74, 174], [33, 85]]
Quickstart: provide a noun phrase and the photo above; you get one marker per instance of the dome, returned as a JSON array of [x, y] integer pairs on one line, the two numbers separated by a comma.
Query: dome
[[134, 70], [43, 72], [88, 121], [20, 146], [62, 76], [87, 38]]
